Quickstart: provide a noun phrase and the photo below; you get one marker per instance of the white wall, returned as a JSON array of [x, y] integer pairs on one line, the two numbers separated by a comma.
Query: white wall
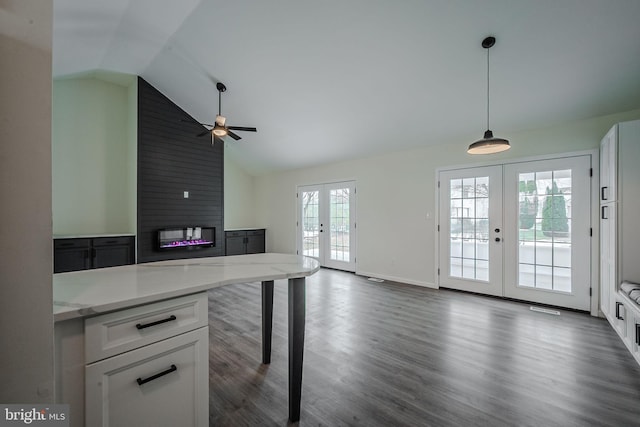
[[94, 139], [396, 196], [26, 314], [239, 205]]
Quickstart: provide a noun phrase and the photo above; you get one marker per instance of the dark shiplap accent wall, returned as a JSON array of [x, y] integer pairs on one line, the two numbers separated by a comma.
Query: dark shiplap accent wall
[[171, 160]]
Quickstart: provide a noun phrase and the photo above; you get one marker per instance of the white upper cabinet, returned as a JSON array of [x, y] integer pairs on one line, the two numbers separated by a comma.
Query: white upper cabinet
[[609, 166]]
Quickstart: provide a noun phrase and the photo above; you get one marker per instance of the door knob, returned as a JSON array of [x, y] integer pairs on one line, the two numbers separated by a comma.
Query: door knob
[[497, 239], [497, 230]]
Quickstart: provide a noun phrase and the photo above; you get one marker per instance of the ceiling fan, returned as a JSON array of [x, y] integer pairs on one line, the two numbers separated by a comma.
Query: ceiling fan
[[220, 128]]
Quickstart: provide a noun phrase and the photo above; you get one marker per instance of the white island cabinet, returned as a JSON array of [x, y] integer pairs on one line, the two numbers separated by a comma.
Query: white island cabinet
[[131, 342], [141, 358]]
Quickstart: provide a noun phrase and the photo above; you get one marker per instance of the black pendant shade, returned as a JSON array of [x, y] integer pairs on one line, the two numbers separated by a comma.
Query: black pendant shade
[[489, 144]]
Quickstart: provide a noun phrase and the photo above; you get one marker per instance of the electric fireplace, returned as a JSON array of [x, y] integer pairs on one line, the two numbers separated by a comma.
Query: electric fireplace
[[186, 238]]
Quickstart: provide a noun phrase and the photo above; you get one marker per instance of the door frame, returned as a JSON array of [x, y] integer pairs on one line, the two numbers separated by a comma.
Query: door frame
[[324, 198], [594, 219]]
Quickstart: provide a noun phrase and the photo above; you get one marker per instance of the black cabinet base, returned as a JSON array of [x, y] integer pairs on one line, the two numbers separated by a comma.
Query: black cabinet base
[[242, 242], [73, 254]]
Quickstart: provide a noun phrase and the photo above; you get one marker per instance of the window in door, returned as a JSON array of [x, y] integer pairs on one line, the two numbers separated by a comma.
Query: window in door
[[544, 228]]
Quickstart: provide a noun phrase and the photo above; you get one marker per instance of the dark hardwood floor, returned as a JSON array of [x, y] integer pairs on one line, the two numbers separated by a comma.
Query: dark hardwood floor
[[389, 354]]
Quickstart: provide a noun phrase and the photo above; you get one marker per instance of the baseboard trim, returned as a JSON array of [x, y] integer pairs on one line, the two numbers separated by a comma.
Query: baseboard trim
[[398, 279]]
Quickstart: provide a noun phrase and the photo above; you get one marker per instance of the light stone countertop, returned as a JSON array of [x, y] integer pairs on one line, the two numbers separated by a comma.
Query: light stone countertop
[[90, 292]]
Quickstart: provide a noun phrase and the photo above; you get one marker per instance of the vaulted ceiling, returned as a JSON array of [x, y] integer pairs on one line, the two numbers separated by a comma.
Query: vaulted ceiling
[[330, 80]]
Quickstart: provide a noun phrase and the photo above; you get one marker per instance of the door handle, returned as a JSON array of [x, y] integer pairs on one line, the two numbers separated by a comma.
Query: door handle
[[603, 212], [602, 193], [497, 239], [497, 230]]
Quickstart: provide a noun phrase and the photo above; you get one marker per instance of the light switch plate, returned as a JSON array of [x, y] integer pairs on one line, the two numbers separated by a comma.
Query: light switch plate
[[186, 194]]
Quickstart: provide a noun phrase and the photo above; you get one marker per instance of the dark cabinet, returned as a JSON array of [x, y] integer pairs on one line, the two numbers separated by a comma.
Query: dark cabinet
[[72, 254], [242, 242]]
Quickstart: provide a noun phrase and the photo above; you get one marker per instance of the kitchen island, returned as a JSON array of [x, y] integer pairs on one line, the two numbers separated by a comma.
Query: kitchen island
[[110, 319]]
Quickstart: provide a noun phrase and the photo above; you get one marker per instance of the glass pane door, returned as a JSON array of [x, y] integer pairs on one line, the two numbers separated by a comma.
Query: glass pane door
[[327, 224], [310, 200], [547, 206], [470, 229], [339, 223]]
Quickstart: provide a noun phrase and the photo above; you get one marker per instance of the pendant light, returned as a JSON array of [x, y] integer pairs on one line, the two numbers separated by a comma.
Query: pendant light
[[489, 144]]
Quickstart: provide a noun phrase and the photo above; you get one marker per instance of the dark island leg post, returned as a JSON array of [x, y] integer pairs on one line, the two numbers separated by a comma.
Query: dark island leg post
[[267, 319], [296, 344]]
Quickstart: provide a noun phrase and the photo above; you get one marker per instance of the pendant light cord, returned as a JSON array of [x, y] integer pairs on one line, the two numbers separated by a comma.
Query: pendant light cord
[[219, 103], [488, 88]]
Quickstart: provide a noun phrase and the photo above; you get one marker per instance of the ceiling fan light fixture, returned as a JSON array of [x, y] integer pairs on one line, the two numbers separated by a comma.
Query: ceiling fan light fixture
[[219, 130], [488, 144]]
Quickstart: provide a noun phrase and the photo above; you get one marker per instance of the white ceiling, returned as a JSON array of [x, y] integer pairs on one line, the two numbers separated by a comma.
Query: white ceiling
[[329, 80]]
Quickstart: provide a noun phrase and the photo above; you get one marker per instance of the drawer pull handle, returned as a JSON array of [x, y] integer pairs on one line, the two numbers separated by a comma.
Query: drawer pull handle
[[602, 197], [618, 316], [638, 333], [158, 375], [158, 322]]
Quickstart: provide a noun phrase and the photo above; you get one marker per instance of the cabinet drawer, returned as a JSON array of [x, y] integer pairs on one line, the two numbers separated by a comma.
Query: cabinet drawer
[[110, 241], [71, 243], [114, 333], [255, 233], [163, 384], [235, 233]]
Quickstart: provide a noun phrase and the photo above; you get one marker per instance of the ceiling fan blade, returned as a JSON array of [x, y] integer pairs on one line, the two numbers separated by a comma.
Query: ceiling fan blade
[[233, 135], [246, 129], [216, 139], [203, 133]]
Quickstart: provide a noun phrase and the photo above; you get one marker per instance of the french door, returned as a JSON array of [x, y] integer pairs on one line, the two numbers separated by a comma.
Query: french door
[[326, 224], [471, 229], [520, 230]]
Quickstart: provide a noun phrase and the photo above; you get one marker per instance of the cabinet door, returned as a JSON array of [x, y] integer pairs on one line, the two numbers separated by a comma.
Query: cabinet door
[[235, 245], [608, 276], [609, 166], [163, 384], [255, 242], [71, 255], [111, 252]]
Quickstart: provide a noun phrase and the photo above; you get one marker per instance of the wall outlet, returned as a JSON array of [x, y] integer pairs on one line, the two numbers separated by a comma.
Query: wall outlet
[[186, 194]]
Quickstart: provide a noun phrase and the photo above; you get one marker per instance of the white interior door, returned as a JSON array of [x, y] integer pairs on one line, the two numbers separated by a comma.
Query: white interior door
[[543, 252], [471, 229], [326, 224], [548, 219]]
